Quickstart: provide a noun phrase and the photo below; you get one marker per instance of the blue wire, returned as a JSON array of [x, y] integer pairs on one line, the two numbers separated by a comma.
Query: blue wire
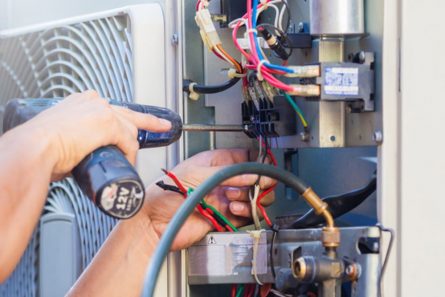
[[257, 45]]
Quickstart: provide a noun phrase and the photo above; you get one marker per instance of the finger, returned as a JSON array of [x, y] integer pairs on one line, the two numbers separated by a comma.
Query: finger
[[241, 209], [249, 180], [242, 195], [237, 194], [144, 121], [127, 139]]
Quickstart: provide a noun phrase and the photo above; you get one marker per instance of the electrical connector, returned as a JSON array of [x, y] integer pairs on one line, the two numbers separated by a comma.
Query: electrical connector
[[208, 31], [304, 71], [305, 90]]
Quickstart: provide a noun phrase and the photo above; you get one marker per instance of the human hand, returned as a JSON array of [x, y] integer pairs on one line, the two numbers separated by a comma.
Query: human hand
[[230, 198], [84, 122]]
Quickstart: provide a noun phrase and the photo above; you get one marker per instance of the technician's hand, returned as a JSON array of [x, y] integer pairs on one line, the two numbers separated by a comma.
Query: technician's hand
[[231, 197], [83, 122]]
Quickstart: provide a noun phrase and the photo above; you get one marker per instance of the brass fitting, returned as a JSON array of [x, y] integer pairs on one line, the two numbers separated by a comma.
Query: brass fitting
[[330, 237], [300, 268], [314, 201]]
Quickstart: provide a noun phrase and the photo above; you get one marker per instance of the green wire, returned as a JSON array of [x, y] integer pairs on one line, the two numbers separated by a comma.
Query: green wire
[[220, 215], [215, 211], [296, 108], [240, 291]]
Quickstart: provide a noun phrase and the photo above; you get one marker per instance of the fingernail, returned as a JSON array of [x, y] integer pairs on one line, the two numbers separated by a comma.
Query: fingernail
[[237, 207], [165, 123], [233, 193]]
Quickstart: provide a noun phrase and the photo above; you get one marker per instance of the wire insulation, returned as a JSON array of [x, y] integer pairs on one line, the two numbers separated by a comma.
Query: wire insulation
[[190, 203]]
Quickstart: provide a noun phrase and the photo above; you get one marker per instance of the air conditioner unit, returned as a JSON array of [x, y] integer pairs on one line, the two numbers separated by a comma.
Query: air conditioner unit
[[121, 54]]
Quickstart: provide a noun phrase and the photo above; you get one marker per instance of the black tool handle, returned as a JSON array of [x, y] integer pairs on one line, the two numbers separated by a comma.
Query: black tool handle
[[105, 175]]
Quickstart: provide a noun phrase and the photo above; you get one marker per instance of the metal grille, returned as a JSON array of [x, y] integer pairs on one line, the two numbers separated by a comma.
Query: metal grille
[[95, 54]]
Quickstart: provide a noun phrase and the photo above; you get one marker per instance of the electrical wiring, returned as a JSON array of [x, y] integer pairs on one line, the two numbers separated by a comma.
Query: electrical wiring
[[211, 89], [297, 109], [253, 203], [201, 191], [185, 194]]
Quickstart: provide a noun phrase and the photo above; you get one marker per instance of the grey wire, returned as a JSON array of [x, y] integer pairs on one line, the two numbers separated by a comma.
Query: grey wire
[[190, 203], [385, 261]]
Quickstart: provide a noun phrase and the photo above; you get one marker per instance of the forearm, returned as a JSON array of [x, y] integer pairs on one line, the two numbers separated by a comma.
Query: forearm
[[26, 162], [119, 267]]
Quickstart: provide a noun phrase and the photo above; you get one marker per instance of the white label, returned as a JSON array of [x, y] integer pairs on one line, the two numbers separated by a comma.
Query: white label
[[341, 81]]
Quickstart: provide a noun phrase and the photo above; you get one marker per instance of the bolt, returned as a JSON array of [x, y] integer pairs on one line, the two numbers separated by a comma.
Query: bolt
[[175, 39], [378, 137], [301, 27], [304, 136], [352, 271]]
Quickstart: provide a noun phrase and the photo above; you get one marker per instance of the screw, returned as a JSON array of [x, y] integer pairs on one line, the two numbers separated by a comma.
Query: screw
[[352, 272], [378, 137], [304, 136], [175, 39], [301, 27]]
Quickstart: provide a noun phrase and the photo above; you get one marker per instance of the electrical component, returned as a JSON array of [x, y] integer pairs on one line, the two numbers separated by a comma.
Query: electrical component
[[275, 44], [349, 82], [216, 260], [268, 118], [207, 29]]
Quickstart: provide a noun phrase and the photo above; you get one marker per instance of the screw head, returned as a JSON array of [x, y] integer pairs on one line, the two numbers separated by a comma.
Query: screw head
[[378, 137], [301, 27], [175, 39]]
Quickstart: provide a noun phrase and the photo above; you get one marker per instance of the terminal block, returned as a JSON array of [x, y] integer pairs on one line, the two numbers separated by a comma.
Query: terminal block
[[268, 118]]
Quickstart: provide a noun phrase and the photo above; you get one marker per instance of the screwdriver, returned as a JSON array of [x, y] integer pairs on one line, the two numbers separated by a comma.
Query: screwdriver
[[212, 128]]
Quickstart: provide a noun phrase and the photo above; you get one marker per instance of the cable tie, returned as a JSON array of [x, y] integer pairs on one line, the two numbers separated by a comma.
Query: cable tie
[[192, 93], [232, 73], [256, 235], [253, 30], [258, 69]]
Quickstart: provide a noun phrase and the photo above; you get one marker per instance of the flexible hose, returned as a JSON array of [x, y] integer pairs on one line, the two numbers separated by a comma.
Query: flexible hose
[[200, 192]]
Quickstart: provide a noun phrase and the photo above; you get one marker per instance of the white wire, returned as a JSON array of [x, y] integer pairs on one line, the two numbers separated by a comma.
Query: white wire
[[253, 201], [280, 21]]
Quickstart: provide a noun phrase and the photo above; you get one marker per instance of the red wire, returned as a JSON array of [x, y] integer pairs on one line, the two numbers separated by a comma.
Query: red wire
[[208, 216], [233, 292], [202, 211], [266, 192]]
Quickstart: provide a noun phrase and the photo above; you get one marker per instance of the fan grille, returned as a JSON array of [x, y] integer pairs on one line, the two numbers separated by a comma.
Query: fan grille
[[95, 54]]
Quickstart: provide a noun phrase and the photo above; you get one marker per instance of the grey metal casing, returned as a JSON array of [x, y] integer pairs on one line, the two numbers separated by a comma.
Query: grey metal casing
[[220, 258], [337, 17]]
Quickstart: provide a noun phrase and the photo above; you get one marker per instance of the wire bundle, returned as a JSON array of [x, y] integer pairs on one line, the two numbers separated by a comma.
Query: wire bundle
[[257, 61]]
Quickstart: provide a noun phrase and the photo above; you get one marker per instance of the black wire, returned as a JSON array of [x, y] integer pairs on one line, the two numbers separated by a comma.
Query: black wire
[[213, 89], [171, 188], [282, 36], [271, 258], [388, 253]]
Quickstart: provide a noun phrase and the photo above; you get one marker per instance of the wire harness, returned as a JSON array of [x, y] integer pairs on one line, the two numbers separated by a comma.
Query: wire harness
[[205, 188]]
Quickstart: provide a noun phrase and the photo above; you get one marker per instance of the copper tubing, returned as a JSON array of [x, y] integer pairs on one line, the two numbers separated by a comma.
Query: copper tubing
[[320, 207]]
